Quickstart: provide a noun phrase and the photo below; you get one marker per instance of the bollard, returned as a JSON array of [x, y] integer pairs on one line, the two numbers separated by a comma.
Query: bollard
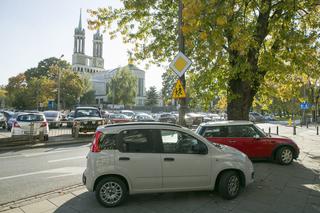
[[294, 130], [307, 123], [317, 130], [277, 130], [269, 130]]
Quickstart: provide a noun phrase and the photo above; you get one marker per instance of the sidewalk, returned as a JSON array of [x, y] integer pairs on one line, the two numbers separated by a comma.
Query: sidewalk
[[294, 188]]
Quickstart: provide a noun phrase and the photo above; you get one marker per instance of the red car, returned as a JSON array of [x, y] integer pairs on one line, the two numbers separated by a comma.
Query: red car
[[251, 140], [119, 118]]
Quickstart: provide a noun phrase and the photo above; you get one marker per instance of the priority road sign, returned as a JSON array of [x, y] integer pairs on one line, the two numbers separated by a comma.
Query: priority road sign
[[178, 91], [180, 64]]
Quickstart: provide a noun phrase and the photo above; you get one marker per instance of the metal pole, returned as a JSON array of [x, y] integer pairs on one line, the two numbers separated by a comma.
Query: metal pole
[[59, 81], [277, 130], [269, 130], [294, 130], [183, 101], [317, 130]]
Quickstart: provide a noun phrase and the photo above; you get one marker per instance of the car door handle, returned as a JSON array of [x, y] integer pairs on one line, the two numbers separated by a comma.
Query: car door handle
[[232, 141], [168, 159], [124, 158]]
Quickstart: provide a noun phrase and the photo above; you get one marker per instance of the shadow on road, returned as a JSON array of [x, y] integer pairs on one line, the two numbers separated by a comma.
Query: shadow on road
[[277, 188]]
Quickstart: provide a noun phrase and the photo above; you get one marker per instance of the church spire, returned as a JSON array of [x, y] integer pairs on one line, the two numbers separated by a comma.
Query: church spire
[[80, 21]]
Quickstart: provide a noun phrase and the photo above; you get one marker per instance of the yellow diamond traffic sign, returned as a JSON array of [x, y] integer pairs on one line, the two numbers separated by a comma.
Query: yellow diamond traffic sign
[[178, 91], [180, 64]]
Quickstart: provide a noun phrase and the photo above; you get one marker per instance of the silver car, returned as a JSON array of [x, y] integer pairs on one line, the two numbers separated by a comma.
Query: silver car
[[160, 157]]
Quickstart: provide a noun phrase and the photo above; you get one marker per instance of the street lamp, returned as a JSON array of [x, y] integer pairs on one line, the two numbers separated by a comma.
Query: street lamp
[[59, 79]]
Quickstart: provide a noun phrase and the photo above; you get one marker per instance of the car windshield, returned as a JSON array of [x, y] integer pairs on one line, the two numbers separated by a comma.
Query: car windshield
[[51, 114], [87, 113], [262, 133], [30, 117]]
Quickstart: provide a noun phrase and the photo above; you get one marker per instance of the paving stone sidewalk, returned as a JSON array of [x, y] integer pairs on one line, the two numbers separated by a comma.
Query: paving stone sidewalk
[[294, 188]]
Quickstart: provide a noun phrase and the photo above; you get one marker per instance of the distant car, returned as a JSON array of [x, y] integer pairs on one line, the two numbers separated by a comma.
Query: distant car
[[143, 117], [30, 124], [3, 121], [54, 118], [251, 140], [128, 113], [196, 118], [160, 157], [86, 119], [256, 117], [12, 118], [167, 118], [69, 118], [119, 118]]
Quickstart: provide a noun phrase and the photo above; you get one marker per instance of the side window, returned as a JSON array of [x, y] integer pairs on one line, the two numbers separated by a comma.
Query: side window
[[137, 141], [243, 131], [179, 142], [214, 131], [108, 142]]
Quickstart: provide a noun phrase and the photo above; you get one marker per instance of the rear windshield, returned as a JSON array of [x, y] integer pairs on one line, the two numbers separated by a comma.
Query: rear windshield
[[30, 118], [87, 113], [51, 114]]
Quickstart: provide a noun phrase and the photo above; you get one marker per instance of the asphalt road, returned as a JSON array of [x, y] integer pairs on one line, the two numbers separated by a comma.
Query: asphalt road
[[30, 172]]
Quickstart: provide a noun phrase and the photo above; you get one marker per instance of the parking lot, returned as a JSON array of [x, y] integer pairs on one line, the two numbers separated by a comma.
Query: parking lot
[[293, 188]]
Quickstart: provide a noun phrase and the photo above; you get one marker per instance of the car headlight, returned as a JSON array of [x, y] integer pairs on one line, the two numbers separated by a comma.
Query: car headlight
[[99, 122], [85, 122]]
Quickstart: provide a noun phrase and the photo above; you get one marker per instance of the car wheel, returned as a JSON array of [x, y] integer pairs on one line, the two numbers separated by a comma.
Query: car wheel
[[284, 156], [229, 185], [46, 138], [111, 192]]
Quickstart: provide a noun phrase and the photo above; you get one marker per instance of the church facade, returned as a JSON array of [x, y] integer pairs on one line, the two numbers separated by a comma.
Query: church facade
[[93, 66]]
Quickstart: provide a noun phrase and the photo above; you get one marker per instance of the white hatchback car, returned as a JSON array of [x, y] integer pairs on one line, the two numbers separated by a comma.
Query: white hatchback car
[[30, 124], [160, 157]]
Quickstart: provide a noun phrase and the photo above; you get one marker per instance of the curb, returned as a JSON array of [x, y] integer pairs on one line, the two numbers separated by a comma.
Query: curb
[[39, 197], [40, 145]]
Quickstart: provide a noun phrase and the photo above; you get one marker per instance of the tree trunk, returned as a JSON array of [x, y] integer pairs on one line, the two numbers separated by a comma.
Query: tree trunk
[[240, 100]]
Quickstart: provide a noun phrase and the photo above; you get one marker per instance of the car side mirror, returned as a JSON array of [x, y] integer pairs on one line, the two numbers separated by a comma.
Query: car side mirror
[[256, 136]]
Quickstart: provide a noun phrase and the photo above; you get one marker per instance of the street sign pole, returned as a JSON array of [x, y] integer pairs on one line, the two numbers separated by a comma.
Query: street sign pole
[[183, 101]]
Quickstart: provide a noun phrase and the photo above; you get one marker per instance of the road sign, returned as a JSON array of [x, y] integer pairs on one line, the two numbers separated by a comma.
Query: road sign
[[178, 91], [180, 64], [50, 104], [304, 105]]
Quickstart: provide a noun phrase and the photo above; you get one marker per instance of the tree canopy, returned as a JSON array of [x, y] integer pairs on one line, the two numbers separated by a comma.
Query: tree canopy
[[236, 46], [151, 97], [122, 87]]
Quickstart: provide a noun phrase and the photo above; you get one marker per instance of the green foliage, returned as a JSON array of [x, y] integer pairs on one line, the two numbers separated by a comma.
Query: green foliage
[[169, 79], [234, 45], [38, 85], [88, 98], [151, 97], [123, 87]]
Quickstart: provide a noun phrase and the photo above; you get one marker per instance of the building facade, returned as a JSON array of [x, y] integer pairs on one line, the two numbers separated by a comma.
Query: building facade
[[94, 66]]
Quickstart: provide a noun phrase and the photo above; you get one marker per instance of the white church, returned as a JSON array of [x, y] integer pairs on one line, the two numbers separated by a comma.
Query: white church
[[94, 66]]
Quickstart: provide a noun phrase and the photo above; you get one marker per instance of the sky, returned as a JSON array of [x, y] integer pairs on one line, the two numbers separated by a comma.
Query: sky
[[32, 30]]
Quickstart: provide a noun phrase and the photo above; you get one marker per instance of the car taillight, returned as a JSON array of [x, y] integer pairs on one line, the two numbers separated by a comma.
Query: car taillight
[[43, 124], [95, 142], [16, 125]]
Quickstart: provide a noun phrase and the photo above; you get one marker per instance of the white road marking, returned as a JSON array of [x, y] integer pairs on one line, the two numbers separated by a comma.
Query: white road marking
[[66, 171], [65, 159], [45, 153], [11, 156]]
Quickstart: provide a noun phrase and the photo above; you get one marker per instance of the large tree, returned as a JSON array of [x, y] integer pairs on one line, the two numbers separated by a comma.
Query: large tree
[[122, 87], [233, 44], [152, 96]]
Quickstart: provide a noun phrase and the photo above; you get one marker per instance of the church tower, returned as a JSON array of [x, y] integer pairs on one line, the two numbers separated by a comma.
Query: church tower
[[79, 58], [97, 60]]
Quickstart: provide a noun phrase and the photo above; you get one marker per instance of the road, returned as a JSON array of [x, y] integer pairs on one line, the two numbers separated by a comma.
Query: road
[[30, 172]]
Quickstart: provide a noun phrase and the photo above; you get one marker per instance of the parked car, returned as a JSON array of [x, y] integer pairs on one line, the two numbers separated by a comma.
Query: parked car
[[143, 117], [251, 140], [160, 157], [196, 118], [256, 117], [30, 124], [119, 118], [69, 118], [54, 118], [12, 116], [166, 117], [3, 121], [128, 113], [86, 119]]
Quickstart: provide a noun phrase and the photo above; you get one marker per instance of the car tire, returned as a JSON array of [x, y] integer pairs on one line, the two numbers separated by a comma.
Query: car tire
[[229, 185], [284, 156], [111, 191], [46, 138]]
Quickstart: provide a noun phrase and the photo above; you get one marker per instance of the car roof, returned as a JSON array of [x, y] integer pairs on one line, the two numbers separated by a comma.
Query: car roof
[[226, 123], [87, 108]]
